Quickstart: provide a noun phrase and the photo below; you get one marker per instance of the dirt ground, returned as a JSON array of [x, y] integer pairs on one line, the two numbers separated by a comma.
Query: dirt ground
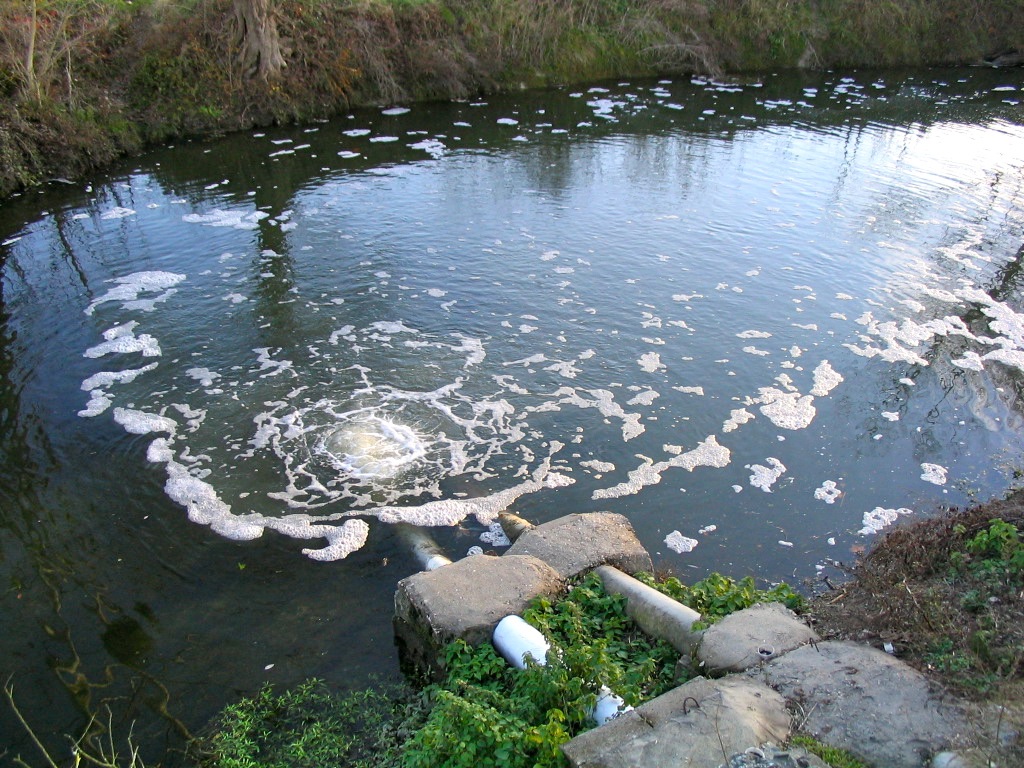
[[925, 596]]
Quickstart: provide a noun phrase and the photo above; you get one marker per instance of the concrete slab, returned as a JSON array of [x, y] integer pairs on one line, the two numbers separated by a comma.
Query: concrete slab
[[465, 600], [577, 543], [699, 724], [750, 637], [865, 701]]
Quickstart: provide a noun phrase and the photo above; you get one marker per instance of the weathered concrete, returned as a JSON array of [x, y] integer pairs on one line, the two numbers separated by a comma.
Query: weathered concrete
[[698, 724], [750, 637], [858, 698], [465, 600], [577, 543], [655, 613]]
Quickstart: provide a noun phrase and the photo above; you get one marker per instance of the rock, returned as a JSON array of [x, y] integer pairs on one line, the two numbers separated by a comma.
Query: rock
[[863, 700], [770, 756], [464, 600], [577, 543], [697, 724], [749, 637]]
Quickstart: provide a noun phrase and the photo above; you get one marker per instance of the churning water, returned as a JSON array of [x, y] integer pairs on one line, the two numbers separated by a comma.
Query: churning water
[[763, 319]]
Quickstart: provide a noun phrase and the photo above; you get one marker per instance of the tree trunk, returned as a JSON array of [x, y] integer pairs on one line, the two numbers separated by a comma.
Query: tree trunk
[[261, 54]]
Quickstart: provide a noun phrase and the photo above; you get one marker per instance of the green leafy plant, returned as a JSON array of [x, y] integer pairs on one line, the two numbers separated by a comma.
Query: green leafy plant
[[487, 711], [717, 596], [835, 757], [995, 554], [311, 726]]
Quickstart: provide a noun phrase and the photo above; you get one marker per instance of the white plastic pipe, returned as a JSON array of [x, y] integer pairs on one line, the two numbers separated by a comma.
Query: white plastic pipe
[[517, 641]]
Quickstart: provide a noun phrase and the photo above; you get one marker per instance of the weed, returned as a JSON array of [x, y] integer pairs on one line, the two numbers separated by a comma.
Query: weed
[[835, 757], [310, 727], [716, 595]]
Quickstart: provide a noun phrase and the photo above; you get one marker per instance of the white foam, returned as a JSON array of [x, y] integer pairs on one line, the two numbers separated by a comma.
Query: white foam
[[737, 418], [395, 111], [828, 492], [679, 543], [933, 473], [130, 286], [105, 379], [233, 219], [879, 518], [787, 410], [765, 477], [825, 379], [707, 454], [141, 423], [651, 362], [204, 376], [117, 212]]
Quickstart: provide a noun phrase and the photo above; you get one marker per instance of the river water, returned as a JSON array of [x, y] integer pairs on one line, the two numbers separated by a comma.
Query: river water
[[763, 318]]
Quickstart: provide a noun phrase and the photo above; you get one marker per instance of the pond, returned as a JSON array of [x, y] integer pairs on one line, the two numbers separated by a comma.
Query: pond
[[764, 318]]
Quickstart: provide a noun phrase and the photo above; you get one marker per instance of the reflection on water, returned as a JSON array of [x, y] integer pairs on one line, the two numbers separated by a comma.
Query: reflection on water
[[763, 319]]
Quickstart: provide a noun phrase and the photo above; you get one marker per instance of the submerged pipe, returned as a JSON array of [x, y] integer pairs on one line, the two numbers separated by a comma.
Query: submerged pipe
[[513, 525], [428, 552]]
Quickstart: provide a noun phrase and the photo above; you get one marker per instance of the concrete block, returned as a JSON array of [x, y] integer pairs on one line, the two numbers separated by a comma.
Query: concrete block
[[863, 700], [577, 543], [464, 600], [750, 637], [694, 725], [655, 613]]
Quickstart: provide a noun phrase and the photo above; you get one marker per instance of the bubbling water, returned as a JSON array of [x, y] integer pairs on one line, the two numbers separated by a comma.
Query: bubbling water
[[372, 448]]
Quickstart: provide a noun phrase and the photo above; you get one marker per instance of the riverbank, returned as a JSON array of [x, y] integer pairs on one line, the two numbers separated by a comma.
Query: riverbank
[[918, 600], [82, 83], [946, 595]]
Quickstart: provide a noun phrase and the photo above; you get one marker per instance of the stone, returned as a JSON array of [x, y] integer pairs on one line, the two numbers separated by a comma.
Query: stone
[[865, 701], [464, 600], [577, 543], [697, 724], [750, 637]]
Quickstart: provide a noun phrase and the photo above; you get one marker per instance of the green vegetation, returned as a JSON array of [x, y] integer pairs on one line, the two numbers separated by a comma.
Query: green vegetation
[[947, 593], [82, 81], [311, 727], [994, 556], [717, 595], [837, 758], [485, 712]]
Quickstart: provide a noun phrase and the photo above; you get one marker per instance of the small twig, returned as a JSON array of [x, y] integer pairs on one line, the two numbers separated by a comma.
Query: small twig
[[9, 691]]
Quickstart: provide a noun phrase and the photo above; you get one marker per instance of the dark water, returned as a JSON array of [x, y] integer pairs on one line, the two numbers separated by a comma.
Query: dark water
[[760, 318]]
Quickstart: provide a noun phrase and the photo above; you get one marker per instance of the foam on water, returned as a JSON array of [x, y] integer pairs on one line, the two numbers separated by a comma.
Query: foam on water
[[374, 413]]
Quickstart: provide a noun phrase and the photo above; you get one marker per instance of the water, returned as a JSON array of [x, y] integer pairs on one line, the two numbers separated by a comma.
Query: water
[[763, 319]]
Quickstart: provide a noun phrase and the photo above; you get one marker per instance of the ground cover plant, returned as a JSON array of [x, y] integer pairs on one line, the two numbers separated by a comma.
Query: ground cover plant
[[485, 711]]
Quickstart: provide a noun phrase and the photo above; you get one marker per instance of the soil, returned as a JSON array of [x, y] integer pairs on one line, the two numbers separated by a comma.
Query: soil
[[962, 626]]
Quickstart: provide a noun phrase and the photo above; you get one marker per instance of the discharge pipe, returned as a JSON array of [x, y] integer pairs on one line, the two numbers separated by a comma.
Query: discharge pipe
[[517, 641], [428, 553]]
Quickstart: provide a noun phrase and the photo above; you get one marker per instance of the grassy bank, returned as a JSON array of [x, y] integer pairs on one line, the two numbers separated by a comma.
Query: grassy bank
[[84, 81]]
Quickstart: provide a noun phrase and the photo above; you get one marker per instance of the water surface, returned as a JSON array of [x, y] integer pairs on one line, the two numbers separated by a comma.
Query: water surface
[[763, 319]]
